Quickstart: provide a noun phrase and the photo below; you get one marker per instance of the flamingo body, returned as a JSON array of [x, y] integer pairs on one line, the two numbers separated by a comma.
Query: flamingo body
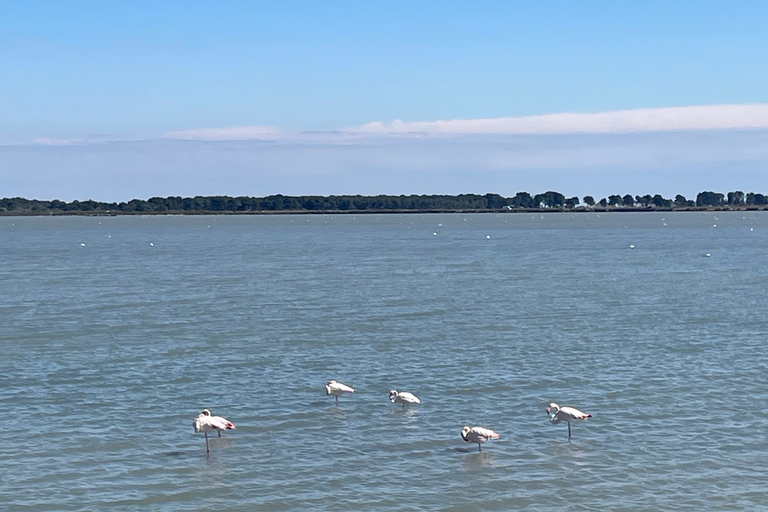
[[206, 423], [403, 397], [478, 435], [567, 414], [337, 389]]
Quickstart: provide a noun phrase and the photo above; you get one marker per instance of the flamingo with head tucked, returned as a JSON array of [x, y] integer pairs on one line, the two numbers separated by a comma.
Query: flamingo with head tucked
[[403, 397], [206, 423], [337, 389], [567, 414], [478, 435]]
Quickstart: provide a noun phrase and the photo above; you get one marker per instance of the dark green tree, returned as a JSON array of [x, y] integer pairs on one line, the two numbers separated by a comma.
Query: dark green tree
[[550, 199], [522, 200], [710, 199], [660, 202], [735, 198]]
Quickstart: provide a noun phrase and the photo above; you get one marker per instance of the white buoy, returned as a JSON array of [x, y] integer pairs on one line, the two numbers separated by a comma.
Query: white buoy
[[707, 255], [631, 246], [434, 234], [488, 236], [151, 244], [82, 245]]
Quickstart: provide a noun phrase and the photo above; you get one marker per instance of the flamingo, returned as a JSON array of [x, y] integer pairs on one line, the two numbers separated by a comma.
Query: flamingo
[[565, 414], [478, 435], [337, 389], [206, 423], [404, 398]]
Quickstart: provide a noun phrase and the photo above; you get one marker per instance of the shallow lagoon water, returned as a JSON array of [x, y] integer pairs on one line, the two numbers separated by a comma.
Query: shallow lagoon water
[[118, 331]]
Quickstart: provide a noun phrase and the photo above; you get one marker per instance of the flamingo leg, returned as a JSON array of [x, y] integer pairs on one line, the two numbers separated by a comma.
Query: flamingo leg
[[219, 431], [569, 430], [207, 448], [479, 447], [337, 400]]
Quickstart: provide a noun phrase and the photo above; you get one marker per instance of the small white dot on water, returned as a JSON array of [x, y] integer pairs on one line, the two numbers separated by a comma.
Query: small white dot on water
[[487, 236], [751, 229], [151, 244], [82, 245], [434, 234], [707, 255], [631, 246], [714, 225]]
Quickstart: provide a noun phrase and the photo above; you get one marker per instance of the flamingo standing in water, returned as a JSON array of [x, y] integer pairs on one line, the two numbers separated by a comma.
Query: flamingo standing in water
[[337, 389], [567, 414], [206, 423], [478, 435], [404, 398]]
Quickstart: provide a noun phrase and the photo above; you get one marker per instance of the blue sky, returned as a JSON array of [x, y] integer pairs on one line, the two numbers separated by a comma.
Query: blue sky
[[116, 100]]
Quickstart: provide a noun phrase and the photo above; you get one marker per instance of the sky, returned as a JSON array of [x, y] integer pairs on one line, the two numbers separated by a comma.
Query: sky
[[113, 101]]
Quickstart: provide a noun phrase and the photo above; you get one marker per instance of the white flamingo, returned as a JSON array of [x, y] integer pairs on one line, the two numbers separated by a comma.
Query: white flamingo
[[206, 423], [404, 398], [337, 389], [567, 414], [478, 435]]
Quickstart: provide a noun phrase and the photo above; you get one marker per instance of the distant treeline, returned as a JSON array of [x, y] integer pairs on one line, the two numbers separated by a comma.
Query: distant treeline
[[381, 203]]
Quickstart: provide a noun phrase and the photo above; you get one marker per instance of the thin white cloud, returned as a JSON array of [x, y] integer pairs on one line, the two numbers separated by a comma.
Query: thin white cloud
[[230, 133], [45, 141], [706, 117], [703, 117]]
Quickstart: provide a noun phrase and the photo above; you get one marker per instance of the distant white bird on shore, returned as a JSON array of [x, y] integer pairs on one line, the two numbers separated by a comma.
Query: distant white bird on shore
[[337, 389], [567, 414], [206, 423], [478, 435], [404, 398]]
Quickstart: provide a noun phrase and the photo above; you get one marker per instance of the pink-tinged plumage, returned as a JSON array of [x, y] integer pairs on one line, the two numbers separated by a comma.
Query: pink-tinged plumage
[[337, 389], [478, 435], [567, 414], [206, 423], [403, 397]]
